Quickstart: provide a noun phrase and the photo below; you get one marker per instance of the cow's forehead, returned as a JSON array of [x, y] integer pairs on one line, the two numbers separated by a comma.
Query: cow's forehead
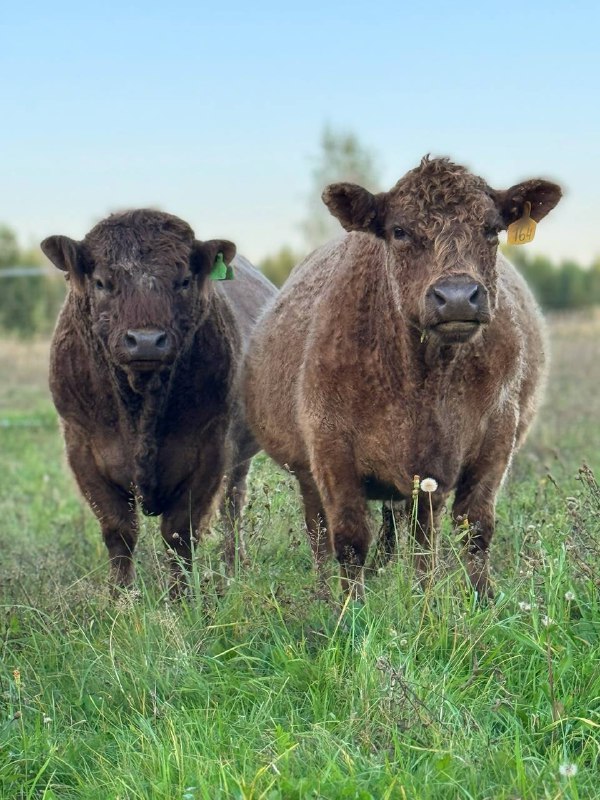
[[439, 191], [137, 243]]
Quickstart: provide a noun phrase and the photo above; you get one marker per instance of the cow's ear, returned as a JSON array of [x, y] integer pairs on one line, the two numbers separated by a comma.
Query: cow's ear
[[543, 196], [204, 254], [355, 208], [67, 255]]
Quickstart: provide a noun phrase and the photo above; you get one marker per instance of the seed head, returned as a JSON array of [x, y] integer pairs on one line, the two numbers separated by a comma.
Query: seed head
[[569, 596], [568, 770], [429, 485]]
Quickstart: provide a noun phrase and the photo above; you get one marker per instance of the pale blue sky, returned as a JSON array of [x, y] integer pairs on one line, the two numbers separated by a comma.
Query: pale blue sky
[[212, 111]]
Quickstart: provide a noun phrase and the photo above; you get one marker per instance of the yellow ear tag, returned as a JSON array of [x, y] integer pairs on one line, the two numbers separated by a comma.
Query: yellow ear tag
[[523, 230]]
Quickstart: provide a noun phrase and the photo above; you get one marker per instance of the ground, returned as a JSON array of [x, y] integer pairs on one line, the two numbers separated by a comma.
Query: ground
[[255, 689]]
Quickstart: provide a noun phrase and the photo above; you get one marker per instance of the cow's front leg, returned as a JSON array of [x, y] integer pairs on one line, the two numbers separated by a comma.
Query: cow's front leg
[[475, 500], [114, 508], [188, 513], [345, 508]]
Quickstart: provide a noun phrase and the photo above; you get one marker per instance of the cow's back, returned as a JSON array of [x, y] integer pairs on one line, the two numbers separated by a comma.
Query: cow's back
[[248, 294], [277, 351], [520, 309]]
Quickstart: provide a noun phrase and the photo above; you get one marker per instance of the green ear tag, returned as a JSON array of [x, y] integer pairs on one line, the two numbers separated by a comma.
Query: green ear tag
[[219, 270]]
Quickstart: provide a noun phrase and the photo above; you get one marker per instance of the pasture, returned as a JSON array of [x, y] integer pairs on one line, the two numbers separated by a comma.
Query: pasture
[[254, 689]]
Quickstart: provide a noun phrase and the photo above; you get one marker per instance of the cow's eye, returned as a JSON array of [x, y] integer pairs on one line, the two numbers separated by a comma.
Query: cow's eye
[[491, 234], [183, 284], [400, 234], [99, 284]]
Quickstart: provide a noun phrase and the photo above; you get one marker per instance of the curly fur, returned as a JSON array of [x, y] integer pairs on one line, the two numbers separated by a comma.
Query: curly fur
[[165, 437], [350, 384]]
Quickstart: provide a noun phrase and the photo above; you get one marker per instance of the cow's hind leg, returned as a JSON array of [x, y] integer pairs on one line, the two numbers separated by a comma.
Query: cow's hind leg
[[231, 514], [424, 524], [387, 540]]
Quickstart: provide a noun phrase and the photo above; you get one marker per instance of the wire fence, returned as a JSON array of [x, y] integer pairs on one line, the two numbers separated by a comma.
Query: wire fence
[[24, 272]]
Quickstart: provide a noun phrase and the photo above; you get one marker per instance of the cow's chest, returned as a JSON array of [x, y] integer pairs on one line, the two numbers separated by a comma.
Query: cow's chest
[[426, 435], [153, 465]]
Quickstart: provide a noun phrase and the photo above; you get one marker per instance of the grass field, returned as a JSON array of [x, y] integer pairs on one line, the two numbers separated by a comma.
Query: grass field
[[255, 690]]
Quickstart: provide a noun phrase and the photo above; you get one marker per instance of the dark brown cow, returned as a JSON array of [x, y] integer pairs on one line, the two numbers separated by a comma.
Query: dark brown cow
[[143, 374], [408, 347]]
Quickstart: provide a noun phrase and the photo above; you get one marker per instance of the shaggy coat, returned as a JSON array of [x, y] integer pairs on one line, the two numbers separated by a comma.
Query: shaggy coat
[[408, 347], [143, 374]]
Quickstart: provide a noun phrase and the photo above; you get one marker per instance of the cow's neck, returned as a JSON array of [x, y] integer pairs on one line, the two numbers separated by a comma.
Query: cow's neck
[[143, 401], [141, 397]]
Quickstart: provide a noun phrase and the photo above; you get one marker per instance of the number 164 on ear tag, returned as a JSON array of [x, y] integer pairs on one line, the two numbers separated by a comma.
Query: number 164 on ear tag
[[523, 230]]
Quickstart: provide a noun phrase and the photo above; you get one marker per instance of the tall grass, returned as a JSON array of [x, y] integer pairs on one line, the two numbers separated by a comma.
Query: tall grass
[[256, 689]]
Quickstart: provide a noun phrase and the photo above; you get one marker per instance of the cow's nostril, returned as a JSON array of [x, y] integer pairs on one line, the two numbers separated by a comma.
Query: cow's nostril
[[474, 296], [130, 341], [440, 298], [161, 341]]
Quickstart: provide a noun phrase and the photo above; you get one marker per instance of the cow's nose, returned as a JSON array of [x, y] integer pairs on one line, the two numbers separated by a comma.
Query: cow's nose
[[148, 345], [459, 298]]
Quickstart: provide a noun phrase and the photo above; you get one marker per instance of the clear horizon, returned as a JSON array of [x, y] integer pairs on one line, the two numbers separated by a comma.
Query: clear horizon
[[214, 114]]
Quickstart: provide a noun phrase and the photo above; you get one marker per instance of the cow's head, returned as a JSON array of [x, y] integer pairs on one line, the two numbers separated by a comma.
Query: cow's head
[[142, 280], [441, 225]]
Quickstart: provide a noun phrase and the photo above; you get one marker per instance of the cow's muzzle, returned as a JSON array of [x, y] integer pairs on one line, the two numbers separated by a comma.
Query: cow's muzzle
[[147, 349], [456, 307]]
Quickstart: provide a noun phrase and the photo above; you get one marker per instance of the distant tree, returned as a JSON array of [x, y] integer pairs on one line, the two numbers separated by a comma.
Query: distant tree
[[29, 304], [342, 157], [572, 285], [593, 282], [9, 249], [277, 267], [566, 286]]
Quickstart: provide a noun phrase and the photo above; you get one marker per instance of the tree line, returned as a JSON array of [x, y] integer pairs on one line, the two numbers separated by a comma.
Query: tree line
[[341, 157], [29, 303], [558, 287]]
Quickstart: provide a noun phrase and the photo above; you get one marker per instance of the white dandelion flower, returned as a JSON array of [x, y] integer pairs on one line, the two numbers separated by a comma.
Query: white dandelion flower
[[546, 621], [523, 606], [428, 485], [47, 720], [569, 596], [568, 770]]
